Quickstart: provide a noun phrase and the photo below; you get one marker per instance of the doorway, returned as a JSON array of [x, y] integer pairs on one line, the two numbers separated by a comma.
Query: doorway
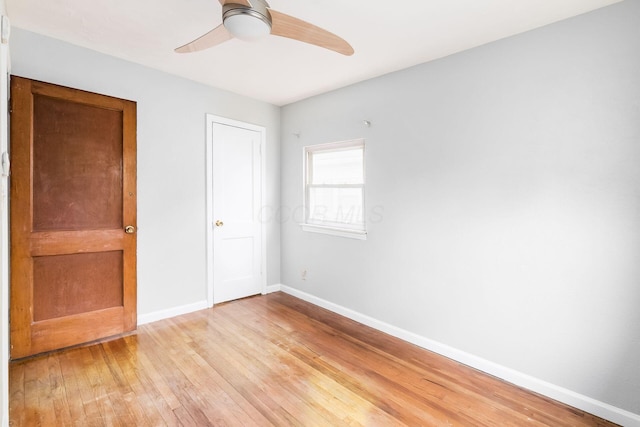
[[73, 217], [234, 192]]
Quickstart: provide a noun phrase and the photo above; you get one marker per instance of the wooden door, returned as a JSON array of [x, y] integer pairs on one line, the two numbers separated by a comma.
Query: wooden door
[[73, 194], [237, 202]]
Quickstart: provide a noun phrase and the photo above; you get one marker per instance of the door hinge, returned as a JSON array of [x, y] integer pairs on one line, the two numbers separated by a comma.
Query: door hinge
[[5, 31], [6, 164]]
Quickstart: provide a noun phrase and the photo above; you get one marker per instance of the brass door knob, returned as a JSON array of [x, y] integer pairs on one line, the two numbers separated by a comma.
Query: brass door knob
[[219, 223], [129, 229]]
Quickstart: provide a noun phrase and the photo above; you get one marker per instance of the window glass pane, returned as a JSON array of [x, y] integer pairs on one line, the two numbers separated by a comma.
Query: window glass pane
[[338, 167], [336, 205]]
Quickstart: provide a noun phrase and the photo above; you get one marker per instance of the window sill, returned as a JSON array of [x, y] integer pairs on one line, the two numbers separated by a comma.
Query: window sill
[[333, 231]]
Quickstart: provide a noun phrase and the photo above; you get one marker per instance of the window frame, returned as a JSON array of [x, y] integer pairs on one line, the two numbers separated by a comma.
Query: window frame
[[350, 230]]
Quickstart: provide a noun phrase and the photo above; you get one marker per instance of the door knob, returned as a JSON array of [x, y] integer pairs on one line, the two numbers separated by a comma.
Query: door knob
[[219, 223], [129, 229]]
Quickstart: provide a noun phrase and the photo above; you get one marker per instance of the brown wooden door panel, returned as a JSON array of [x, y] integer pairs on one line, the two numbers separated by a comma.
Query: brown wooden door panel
[[73, 190], [77, 165]]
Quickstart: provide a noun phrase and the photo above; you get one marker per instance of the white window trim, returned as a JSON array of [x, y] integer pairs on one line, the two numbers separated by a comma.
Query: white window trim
[[347, 230], [335, 231]]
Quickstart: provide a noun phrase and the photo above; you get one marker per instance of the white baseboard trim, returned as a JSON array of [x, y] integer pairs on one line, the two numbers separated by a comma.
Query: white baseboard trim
[[172, 312], [189, 308], [273, 288], [584, 403]]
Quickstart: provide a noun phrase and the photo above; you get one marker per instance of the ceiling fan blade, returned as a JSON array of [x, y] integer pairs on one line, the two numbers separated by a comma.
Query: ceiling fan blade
[[287, 26], [242, 2], [212, 38]]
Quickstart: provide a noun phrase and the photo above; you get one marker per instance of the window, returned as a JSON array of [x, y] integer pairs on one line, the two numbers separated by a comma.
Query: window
[[334, 188]]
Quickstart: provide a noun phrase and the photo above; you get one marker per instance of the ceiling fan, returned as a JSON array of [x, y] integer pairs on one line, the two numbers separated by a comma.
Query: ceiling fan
[[252, 19]]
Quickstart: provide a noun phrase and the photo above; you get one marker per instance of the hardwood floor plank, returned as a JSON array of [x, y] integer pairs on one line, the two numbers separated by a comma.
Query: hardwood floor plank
[[146, 384], [139, 399], [218, 404], [262, 390], [17, 404], [105, 386], [37, 379], [371, 377], [62, 408], [315, 385], [76, 370], [152, 366], [268, 360], [444, 371], [71, 390], [255, 350]]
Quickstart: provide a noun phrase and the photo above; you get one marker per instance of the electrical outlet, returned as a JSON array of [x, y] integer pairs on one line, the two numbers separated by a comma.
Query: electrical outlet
[[303, 274]]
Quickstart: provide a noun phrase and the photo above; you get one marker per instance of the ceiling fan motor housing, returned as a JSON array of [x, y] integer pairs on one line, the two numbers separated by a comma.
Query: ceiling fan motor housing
[[247, 23]]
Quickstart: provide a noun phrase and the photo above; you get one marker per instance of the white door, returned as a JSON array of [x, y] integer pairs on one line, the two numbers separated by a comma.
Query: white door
[[236, 203]]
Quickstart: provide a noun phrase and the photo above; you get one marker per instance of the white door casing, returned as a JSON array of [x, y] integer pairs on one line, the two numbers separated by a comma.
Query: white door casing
[[235, 177], [4, 216]]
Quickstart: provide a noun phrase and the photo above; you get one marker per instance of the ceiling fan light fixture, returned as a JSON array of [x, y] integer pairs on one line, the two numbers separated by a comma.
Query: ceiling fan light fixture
[[252, 19], [246, 24]]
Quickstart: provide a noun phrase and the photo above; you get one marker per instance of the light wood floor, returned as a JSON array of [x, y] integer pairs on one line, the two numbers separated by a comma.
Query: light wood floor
[[267, 360]]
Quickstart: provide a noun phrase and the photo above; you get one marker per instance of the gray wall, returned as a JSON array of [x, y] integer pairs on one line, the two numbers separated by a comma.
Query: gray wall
[[503, 192], [171, 162]]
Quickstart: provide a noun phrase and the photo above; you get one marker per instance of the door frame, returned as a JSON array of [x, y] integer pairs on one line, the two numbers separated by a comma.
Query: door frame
[[210, 119], [5, 68]]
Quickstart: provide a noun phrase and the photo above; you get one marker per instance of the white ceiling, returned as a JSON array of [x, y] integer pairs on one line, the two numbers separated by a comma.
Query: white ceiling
[[386, 35]]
